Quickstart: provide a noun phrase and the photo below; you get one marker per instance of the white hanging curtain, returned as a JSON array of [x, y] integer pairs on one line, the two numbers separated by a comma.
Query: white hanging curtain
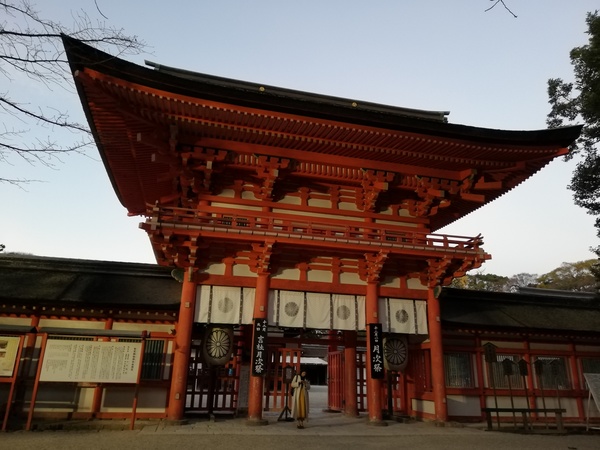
[[347, 312], [318, 310], [400, 315], [202, 304], [403, 316], [289, 309], [224, 305], [421, 308]]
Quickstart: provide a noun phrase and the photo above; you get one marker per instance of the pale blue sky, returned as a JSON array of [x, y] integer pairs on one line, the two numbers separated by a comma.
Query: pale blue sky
[[487, 68]]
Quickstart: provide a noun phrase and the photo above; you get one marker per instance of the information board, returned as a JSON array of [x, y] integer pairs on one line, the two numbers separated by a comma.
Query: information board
[[91, 361], [9, 347], [259, 351], [593, 381], [376, 350]]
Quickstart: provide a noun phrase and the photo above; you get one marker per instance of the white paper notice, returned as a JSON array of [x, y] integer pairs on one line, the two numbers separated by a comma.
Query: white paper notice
[[9, 347], [91, 361]]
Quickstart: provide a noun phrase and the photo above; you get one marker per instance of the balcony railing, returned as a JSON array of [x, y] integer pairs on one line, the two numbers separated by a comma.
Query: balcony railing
[[260, 224]]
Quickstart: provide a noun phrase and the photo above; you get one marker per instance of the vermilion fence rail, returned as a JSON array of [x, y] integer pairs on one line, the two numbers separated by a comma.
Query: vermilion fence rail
[[254, 222]]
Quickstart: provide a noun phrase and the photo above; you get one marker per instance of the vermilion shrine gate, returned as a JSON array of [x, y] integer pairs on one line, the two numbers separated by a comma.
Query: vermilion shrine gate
[[301, 211]]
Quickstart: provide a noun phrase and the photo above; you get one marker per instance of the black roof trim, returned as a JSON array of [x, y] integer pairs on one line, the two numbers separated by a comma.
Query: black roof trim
[[289, 101]]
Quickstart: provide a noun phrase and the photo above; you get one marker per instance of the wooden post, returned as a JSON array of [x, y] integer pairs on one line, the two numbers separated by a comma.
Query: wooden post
[[13, 381], [576, 383], [374, 385], [437, 357], [257, 383], [350, 400], [181, 357]]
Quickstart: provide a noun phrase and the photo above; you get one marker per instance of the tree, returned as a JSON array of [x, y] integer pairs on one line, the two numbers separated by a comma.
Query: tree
[[501, 2], [581, 101], [481, 282], [30, 46], [577, 276]]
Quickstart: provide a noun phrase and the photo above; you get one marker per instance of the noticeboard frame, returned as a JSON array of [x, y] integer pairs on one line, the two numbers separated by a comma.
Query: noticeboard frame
[[85, 338]]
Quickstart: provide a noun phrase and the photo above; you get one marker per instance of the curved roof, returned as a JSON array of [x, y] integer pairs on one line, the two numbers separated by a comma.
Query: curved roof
[[531, 310], [44, 281], [136, 114]]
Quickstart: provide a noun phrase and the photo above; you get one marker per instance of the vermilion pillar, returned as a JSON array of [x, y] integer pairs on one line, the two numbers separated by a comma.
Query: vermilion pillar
[[256, 387], [181, 357], [350, 400], [437, 357], [374, 385]]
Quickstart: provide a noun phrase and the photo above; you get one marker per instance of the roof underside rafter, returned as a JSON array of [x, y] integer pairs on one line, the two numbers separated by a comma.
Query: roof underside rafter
[[155, 127]]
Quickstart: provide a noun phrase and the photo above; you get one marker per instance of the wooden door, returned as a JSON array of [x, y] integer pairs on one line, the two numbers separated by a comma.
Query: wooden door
[[335, 381]]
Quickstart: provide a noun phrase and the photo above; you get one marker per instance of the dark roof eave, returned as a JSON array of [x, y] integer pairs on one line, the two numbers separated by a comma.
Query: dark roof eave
[[289, 101], [574, 299], [448, 325]]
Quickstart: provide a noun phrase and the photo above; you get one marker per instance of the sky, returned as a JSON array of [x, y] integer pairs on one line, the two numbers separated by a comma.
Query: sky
[[488, 69]]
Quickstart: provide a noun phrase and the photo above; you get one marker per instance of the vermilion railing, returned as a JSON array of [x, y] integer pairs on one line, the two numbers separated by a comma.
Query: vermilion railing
[[255, 222]]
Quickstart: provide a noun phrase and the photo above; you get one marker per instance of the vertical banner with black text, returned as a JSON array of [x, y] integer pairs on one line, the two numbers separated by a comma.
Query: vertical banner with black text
[[376, 350], [259, 348]]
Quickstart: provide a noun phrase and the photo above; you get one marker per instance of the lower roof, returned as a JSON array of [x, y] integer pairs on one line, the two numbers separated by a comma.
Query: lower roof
[[533, 310], [41, 281]]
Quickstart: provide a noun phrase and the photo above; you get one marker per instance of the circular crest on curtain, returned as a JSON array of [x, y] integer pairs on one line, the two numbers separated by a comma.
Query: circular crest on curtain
[[218, 345], [395, 352]]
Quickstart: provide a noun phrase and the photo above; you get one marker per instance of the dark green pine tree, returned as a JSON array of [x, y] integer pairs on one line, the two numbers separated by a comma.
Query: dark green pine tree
[[580, 102]]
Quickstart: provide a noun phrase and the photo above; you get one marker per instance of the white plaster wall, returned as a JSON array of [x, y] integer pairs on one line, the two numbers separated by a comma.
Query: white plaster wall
[[319, 203], [75, 324], [504, 345], [393, 282], [290, 200], [287, 274], [549, 346], [592, 409], [347, 206], [157, 328], [61, 397], [570, 404], [351, 278], [230, 193], [324, 276], [425, 406], [120, 399], [463, 405], [242, 270], [15, 321], [215, 269], [395, 223], [587, 348], [415, 283]]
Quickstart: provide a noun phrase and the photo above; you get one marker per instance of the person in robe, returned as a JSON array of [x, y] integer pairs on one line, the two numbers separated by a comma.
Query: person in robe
[[301, 386]]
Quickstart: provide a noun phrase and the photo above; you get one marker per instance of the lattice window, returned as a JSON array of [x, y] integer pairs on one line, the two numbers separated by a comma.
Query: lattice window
[[458, 368], [499, 369], [153, 363], [554, 373]]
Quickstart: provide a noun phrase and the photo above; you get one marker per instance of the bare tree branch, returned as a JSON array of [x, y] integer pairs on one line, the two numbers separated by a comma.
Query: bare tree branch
[[31, 46], [503, 4]]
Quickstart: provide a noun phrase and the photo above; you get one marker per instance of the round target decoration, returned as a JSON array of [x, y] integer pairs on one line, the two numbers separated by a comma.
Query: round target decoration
[[395, 352], [218, 345]]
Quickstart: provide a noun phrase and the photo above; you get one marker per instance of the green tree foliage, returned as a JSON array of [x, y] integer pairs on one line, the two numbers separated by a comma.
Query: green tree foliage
[[580, 101], [481, 282], [578, 276]]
